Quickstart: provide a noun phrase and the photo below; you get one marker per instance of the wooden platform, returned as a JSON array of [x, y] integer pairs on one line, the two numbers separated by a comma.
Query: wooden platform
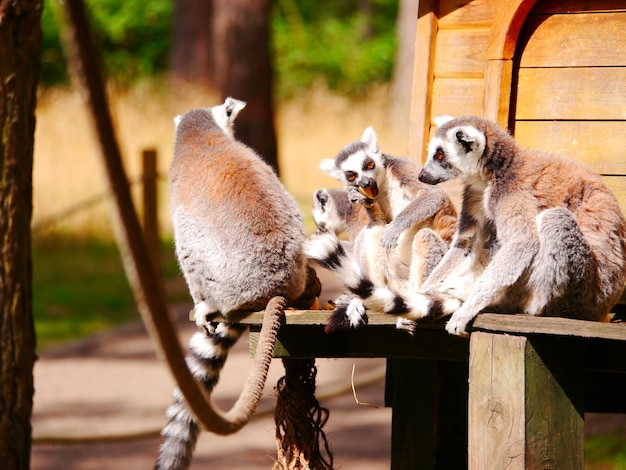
[[513, 395]]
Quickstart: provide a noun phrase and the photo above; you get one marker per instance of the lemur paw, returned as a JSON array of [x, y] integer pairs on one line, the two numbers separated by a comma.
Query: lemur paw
[[201, 314], [390, 236], [404, 324], [356, 197], [457, 325]]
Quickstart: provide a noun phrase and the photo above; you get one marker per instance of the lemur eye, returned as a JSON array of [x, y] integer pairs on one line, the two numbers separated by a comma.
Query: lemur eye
[[439, 155], [350, 177], [370, 166]]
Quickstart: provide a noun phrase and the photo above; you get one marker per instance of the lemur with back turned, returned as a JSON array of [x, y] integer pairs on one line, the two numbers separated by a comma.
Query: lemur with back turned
[[238, 236]]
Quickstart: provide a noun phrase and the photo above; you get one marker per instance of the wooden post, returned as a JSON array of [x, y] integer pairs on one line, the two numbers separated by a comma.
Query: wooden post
[[150, 205], [526, 402], [429, 419]]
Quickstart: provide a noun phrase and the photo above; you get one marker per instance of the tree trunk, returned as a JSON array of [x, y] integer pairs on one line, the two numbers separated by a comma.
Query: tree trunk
[[20, 41], [243, 69], [192, 54]]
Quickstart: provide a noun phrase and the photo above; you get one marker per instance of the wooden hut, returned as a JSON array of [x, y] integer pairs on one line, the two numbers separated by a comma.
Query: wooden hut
[[552, 71]]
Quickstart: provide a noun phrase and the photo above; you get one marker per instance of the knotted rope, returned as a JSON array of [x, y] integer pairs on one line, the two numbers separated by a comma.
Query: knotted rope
[[300, 441]]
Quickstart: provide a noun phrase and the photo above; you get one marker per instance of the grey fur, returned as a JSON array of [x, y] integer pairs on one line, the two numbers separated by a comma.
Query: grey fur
[[546, 235], [388, 252], [238, 236]]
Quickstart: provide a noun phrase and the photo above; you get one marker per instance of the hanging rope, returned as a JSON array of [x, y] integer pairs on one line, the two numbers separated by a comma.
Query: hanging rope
[[147, 290], [300, 440], [299, 417]]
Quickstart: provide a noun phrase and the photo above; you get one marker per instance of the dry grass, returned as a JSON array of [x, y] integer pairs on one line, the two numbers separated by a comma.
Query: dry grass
[[67, 167]]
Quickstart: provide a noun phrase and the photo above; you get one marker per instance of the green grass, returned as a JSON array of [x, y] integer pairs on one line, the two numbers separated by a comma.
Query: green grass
[[605, 452], [80, 288]]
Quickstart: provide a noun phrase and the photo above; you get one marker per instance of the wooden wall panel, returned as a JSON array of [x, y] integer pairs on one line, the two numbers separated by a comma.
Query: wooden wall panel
[[617, 184], [583, 40], [423, 71], [572, 93], [601, 145], [461, 53], [467, 13], [576, 6], [457, 97], [571, 85]]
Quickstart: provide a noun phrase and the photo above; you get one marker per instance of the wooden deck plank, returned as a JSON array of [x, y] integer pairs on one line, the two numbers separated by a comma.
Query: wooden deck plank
[[493, 322]]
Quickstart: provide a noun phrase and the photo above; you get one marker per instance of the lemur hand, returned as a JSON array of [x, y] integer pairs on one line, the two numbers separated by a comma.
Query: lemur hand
[[391, 233], [356, 197]]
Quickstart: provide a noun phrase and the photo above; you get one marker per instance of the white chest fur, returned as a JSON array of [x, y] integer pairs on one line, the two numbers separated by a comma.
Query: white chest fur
[[397, 197]]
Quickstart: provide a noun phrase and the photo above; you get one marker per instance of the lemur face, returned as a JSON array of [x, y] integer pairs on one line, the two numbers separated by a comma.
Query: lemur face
[[325, 213], [360, 170], [358, 165], [454, 151]]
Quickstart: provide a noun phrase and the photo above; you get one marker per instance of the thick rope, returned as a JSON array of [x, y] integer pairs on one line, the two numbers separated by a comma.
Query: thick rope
[[300, 440], [252, 391], [147, 289]]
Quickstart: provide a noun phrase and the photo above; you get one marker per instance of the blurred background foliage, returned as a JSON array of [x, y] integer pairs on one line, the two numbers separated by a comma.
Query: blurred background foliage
[[348, 45]]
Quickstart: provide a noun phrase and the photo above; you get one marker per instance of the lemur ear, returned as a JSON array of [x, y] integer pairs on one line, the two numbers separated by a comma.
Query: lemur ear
[[441, 120], [370, 139], [232, 107], [464, 138], [321, 196], [327, 165]]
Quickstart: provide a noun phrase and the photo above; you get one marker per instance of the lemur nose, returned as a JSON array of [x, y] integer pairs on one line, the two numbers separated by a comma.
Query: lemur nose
[[366, 182]]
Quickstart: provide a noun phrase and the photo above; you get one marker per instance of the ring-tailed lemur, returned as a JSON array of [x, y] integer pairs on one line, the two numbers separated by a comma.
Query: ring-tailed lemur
[[238, 236], [333, 212], [537, 233], [560, 235], [411, 224]]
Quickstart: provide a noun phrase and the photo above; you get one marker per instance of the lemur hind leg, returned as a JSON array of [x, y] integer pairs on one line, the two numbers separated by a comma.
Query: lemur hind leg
[[562, 274], [428, 249]]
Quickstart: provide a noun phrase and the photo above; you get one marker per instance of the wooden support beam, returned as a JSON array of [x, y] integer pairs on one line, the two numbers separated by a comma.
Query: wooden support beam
[[429, 419], [526, 402]]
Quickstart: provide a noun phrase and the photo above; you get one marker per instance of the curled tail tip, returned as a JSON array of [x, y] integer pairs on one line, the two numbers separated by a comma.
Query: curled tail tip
[[346, 317]]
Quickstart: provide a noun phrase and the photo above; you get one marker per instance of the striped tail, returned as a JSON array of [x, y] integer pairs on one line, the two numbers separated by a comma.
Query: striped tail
[[326, 249], [206, 358]]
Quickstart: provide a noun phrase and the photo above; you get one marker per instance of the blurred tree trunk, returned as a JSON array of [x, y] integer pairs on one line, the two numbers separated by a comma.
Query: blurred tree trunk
[[20, 41], [403, 70], [243, 69], [226, 44], [192, 54]]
